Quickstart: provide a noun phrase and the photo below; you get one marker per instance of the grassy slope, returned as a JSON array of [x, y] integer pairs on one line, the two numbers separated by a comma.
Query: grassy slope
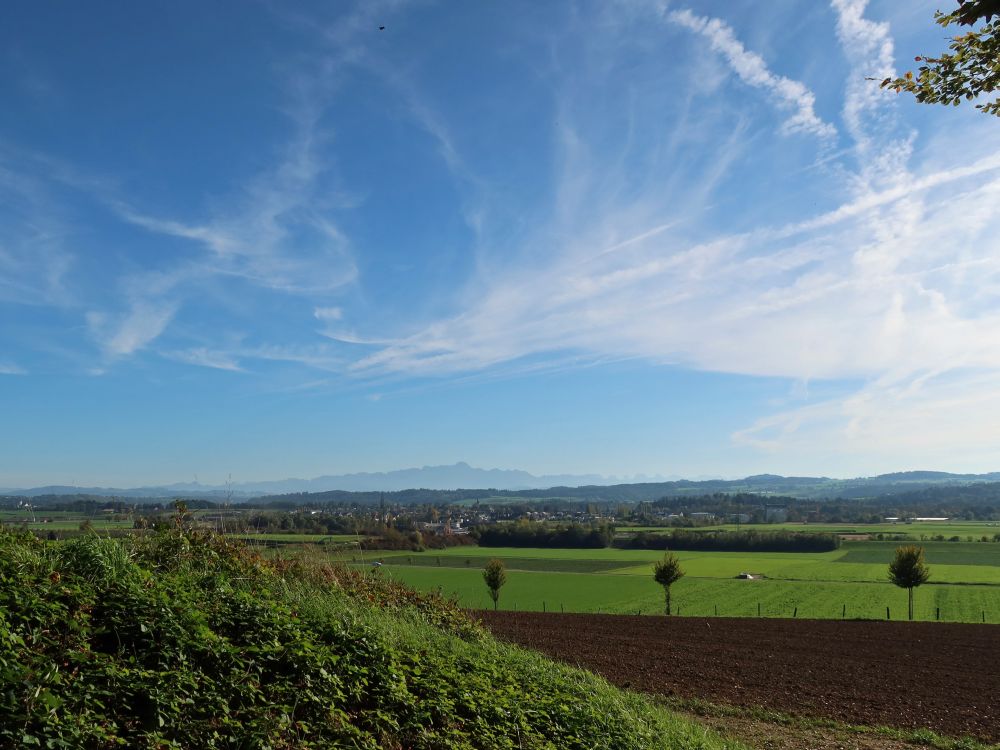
[[188, 641]]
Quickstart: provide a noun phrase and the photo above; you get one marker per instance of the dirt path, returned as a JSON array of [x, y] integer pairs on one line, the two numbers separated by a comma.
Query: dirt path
[[940, 676]]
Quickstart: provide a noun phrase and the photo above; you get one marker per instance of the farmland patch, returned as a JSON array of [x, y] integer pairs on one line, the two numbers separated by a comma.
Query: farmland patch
[[846, 671]]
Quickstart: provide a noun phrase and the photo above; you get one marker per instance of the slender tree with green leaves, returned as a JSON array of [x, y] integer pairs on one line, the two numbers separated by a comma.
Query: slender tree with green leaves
[[495, 576], [970, 69], [667, 572], [908, 570]]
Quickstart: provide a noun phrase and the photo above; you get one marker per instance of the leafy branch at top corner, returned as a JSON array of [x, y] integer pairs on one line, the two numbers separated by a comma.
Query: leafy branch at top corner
[[970, 69]]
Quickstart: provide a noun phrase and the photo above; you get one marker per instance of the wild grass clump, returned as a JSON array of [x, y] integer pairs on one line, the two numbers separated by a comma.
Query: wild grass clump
[[180, 639]]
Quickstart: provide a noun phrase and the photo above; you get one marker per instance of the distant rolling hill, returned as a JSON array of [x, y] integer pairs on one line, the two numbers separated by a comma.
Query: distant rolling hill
[[432, 483]]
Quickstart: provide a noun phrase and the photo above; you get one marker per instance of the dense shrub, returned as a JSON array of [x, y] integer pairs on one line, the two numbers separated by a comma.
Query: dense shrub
[[181, 639]]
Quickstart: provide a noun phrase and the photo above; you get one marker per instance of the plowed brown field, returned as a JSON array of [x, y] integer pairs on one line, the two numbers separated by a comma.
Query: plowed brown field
[[940, 676]]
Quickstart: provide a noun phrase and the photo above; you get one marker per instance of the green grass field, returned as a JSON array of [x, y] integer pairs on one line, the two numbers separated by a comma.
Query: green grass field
[[58, 520], [963, 529], [705, 597], [298, 538], [951, 562], [851, 581]]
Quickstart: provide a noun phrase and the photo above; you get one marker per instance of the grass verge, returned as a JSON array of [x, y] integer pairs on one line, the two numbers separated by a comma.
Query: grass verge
[[759, 727]]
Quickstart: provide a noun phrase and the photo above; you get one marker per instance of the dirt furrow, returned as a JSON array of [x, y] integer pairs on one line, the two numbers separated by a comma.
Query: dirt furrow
[[940, 676]]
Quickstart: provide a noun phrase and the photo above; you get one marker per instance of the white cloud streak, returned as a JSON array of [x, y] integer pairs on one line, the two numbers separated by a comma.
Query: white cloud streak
[[753, 70], [123, 334], [784, 306], [204, 357], [869, 50], [328, 313]]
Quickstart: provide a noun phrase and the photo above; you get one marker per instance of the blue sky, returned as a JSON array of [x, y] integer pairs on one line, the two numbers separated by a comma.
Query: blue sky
[[269, 239]]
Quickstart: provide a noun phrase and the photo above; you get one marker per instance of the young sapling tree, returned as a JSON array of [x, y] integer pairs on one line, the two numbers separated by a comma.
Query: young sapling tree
[[667, 572], [495, 576]]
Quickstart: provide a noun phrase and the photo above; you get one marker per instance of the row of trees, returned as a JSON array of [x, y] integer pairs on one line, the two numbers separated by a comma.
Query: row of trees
[[534, 534], [738, 541], [414, 541]]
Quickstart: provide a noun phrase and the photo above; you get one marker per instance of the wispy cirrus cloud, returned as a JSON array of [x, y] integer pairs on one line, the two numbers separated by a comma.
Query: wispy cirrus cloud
[[123, 334], [205, 357], [868, 47], [278, 232], [896, 286], [34, 255], [804, 309], [620, 210], [275, 233], [928, 419], [753, 70], [328, 313], [931, 249]]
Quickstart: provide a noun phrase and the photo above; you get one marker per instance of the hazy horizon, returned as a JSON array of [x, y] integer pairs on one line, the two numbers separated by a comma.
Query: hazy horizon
[[560, 477]]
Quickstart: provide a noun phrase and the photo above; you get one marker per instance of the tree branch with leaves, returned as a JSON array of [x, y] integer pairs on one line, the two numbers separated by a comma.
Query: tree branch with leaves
[[971, 69]]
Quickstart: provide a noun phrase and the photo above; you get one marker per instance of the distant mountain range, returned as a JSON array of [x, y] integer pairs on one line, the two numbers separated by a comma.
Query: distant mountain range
[[522, 483], [450, 477]]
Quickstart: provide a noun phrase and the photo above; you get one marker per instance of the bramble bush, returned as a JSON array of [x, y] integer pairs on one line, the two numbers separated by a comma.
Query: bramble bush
[[184, 639]]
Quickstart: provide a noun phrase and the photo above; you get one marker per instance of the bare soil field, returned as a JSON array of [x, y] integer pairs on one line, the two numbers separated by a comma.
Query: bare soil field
[[940, 676]]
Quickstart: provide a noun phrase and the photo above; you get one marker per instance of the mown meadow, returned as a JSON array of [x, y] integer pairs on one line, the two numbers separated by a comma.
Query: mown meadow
[[914, 529]]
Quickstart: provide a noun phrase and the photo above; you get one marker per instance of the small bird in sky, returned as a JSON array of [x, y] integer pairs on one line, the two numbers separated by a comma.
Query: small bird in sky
[[381, 28]]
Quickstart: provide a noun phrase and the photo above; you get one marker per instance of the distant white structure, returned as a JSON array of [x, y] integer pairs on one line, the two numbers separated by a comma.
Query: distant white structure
[[897, 519]]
